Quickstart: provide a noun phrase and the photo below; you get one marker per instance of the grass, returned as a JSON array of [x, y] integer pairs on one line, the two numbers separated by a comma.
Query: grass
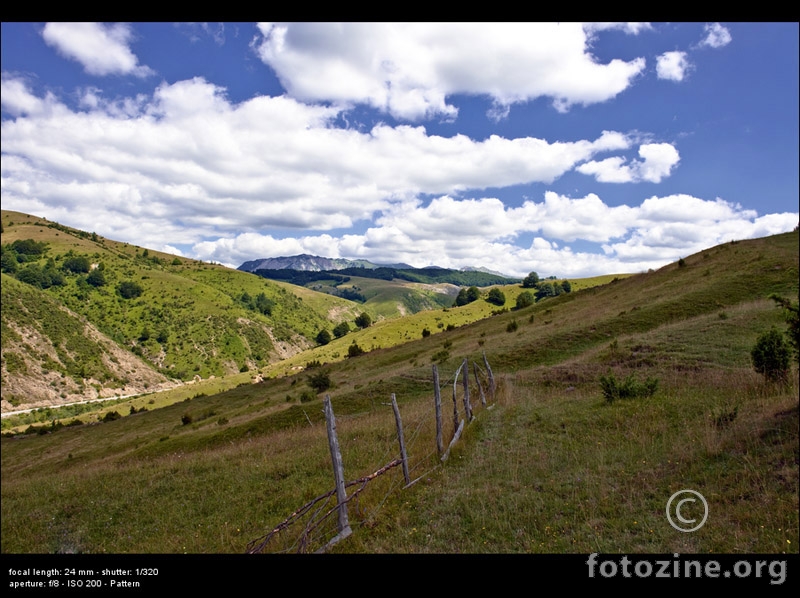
[[552, 467]]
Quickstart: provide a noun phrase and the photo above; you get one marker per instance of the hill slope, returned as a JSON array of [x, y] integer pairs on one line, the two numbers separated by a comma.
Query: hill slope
[[177, 317], [553, 467]]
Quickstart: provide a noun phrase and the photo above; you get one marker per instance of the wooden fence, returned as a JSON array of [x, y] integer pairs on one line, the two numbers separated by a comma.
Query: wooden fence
[[340, 489]]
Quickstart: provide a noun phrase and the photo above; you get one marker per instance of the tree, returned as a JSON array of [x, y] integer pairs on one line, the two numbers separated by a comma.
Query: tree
[[530, 281], [566, 286], [496, 297], [129, 289], [771, 356], [323, 337], [76, 264], [363, 321], [792, 313], [525, 299], [320, 381], [546, 289], [341, 329], [354, 350], [466, 296], [96, 278], [264, 304]]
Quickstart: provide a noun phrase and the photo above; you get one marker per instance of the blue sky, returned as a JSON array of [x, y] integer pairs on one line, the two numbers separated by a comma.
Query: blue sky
[[567, 149]]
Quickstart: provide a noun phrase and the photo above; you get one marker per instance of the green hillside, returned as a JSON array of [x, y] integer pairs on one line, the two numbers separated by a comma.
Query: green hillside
[[181, 318], [552, 463]]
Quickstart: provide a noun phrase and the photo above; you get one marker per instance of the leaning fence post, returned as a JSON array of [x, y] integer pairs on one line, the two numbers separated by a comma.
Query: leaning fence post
[[338, 472], [467, 405], [455, 402], [438, 403], [478, 382], [403, 455], [492, 386]]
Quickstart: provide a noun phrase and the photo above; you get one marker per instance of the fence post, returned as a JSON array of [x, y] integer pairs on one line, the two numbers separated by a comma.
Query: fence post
[[478, 382], [400, 437], [455, 402], [492, 386], [437, 398], [338, 473], [467, 404]]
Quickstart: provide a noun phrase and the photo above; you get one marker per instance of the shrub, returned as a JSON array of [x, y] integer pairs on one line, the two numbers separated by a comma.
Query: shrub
[[354, 350], [307, 396], [496, 297], [363, 321], [320, 381], [512, 326], [341, 329], [129, 289], [425, 333], [525, 299], [771, 355], [323, 337], [111, 416], [186, 419], [629, 388], [96, 278]]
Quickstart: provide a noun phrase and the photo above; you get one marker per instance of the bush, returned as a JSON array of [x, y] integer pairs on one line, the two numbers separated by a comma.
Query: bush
[[629, 388], [186, 419], [771, 355], [525, 299], [530, 281], [354, 350], [425, 333], [323, 337], [363, 321], [111, 416], [320, 381], [129, 289], [496, 297], [341, 329], [512, 326]]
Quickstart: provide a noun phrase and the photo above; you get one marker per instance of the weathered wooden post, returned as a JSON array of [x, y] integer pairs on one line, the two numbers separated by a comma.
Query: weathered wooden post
[[467, 405], [438, 401], [492, 386], [403, 455], [455, 401], [478, 382], [338, 473]]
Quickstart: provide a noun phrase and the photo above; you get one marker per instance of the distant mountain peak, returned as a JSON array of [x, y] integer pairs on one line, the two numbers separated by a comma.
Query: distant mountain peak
[[312, 263]]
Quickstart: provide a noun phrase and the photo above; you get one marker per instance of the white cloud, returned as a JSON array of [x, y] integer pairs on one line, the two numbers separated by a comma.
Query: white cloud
[[717, 36], [409, 69], [658, 162], [187, 168], [101, 49], [482, 231], [672, 65], [267, 162]]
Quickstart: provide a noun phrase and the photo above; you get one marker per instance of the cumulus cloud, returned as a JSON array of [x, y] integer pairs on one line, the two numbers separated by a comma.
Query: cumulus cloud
[[101, 49], [658, 160], [186, 168], [409, 69], [672, 65], [483, 231], [267, 162], [717, 36]]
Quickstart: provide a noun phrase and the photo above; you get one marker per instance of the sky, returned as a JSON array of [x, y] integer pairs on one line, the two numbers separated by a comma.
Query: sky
[[566, 149]]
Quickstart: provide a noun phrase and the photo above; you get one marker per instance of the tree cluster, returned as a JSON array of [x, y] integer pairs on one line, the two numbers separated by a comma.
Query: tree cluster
[[544, 289]]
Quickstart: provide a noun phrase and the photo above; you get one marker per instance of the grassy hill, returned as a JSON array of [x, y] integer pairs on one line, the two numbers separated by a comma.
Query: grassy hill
[[185, 320], [548, 465]]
